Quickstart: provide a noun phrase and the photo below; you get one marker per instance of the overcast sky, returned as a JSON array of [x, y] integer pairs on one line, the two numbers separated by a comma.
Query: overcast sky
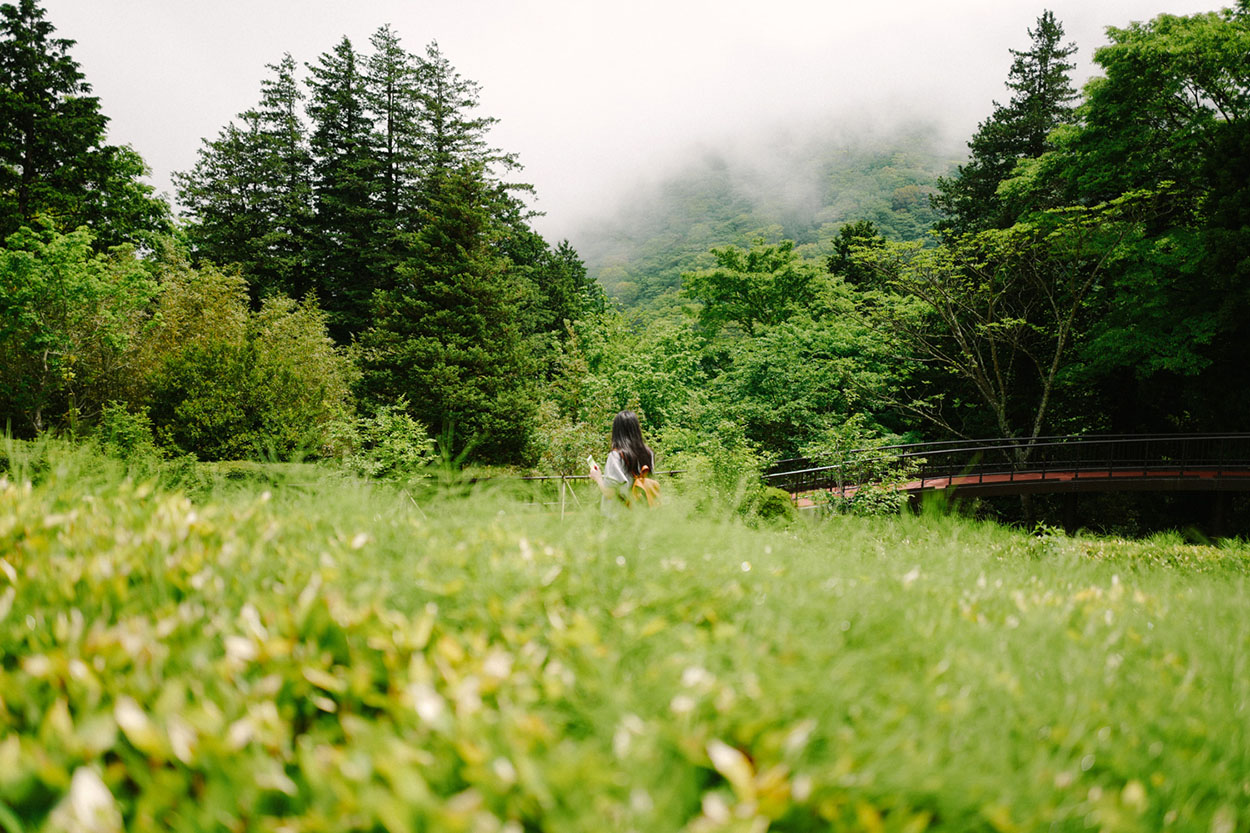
[[593, 95]]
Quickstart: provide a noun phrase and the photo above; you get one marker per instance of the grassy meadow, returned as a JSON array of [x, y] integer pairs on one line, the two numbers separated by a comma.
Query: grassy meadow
[[319, 653]]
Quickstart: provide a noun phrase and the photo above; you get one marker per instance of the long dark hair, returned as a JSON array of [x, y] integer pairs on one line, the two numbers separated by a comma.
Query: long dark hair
[[627, 439]]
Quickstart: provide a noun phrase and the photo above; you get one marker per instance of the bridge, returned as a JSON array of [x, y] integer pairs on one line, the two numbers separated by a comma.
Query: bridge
[[1057, 464]]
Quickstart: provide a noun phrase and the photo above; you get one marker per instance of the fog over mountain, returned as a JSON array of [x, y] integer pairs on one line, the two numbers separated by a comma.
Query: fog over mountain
[[801, 185]]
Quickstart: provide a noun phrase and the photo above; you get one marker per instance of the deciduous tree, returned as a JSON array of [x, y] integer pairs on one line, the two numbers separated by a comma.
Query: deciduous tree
[[1169, 115], [68, 320], [1004, 313], [761, 285]]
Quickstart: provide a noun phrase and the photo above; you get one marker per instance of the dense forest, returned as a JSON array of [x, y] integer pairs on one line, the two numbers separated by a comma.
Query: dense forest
[[355, 260]]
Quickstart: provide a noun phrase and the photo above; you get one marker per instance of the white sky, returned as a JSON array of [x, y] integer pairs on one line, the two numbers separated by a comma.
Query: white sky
[[593, 95]]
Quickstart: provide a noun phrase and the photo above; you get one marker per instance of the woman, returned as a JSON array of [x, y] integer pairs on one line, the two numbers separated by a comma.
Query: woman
[[629, 460]]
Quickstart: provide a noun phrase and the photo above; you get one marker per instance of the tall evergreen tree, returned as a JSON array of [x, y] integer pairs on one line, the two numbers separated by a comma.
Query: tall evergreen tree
[[285, 141], [392, 90], [1042, 99], [55, 165], [249, 193], [222, 195], [451, 136], [345, 190], [392, 87], [452, 336]]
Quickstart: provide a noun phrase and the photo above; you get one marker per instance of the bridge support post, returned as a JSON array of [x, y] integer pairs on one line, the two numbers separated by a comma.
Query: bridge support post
[[1219, 515], [1069, 512]]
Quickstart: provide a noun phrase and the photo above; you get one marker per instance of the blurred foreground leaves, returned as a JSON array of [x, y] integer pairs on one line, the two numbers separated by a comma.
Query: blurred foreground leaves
[[346, 660]]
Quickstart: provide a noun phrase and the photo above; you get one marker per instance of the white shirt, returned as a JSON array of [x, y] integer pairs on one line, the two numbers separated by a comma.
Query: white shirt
[[614, 479], [614, 469]]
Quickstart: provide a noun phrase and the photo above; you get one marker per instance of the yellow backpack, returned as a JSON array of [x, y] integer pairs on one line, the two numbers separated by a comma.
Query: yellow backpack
[[644, 487]]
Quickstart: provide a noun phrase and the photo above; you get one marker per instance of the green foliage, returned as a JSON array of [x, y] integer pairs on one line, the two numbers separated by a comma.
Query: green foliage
[[335, 204], [721, 465], [450, 134], [1004, 313], [563, 444], [389, 206], [393, 94], [562, 290], [303, 378], [795, 379], [660, 370], [782, 373], [125, 434], [1166, 120], [856, 446], [775, 506], [196, 305], [69, 321], [205, 402], [846, 263], [227, 384], [869, 471], [761, 286], [386, 445]]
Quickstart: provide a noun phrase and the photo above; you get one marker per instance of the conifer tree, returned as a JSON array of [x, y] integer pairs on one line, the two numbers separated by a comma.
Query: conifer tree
[[451, 336], [392, 88], [345, 190], [222, 195], [55, 166], [451, 137], [249, 193], [1042, 99], [290, 166]]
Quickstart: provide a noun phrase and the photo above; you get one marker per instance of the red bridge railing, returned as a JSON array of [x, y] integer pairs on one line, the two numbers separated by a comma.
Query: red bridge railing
[[1160, 462]]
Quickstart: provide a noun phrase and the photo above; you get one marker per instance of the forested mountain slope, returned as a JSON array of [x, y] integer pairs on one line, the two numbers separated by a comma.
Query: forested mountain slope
[[773, 190]]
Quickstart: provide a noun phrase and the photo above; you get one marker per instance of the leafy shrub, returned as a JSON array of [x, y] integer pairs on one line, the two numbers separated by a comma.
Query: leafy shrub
[[563, 444], [205, 402], [869, 500], [196, 306], [305, 381], [722, 467], [269, 384], [864, 460], [774, 505], [184, 473], [125, 434], [68, 322], [389, 445]]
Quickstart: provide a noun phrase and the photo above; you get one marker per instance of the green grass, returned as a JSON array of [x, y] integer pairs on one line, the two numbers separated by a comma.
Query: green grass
[[351, 657]]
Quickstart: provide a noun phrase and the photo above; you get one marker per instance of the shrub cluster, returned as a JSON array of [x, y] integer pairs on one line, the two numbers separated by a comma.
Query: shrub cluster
[[155, 351]]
